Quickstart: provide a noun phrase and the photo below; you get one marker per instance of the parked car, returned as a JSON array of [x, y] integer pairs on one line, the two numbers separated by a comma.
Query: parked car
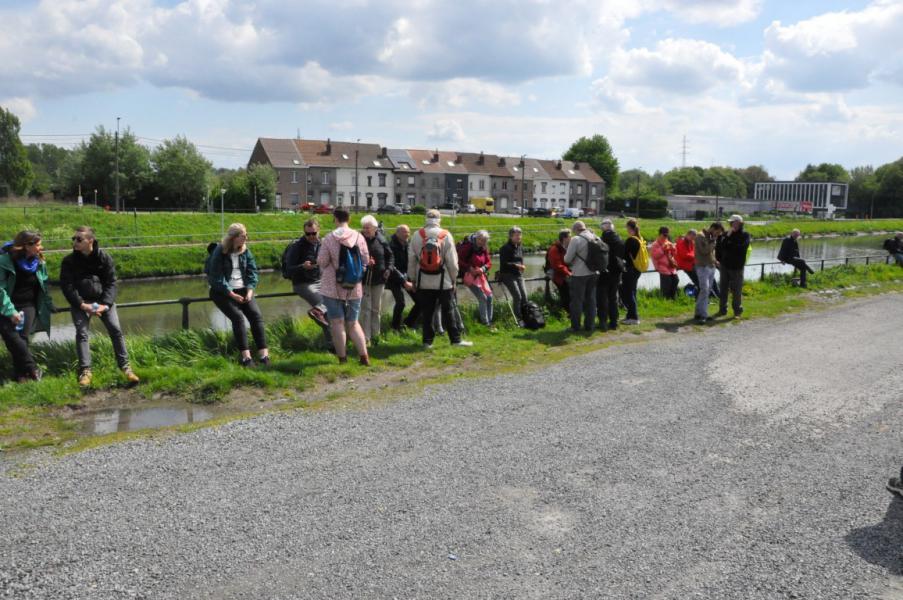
[[589, 212], [572, 213], [323, 209], [405, 208], [483, 205], [469, 208], [389, 209], [449, 206], [538, 211]]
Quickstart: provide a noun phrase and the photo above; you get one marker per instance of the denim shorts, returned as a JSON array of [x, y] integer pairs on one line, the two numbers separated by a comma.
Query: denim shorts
[[342, 309]]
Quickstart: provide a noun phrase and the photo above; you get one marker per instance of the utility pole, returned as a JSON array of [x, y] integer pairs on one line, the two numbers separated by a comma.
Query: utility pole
[[117, 164], [356, 151], [222, 213], [637, 193], [523, 189], [683, 160]]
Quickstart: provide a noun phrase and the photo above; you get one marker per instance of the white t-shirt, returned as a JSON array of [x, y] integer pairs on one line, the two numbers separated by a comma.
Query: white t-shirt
[[235, 280]]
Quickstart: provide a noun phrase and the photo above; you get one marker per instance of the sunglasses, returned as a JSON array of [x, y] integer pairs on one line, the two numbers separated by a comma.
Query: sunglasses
[[310, 233], [78, 239]]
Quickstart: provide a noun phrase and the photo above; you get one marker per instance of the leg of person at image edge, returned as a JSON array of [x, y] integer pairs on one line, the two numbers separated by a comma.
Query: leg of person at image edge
[[16, 342], [110, 320], [724, 287], [735, 278], [343, 321]]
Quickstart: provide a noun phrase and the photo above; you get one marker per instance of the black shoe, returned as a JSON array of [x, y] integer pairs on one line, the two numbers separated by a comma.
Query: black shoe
[[612, 326], [721, 313], [264, 360], [895, 486], [246, 362]]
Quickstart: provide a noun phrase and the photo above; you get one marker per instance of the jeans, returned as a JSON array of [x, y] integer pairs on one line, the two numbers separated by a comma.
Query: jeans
[[668, 284], [731, 283], [628, 292], [607, 299], [800, 265], [17, 342], [371, 306], [706, 277], [236, 313], [899, 258], [346, 310], [428, 300], [515, 285], [310, 293], [583, 301], [693, 277], [110, 320], [398, 293], [485, 301]]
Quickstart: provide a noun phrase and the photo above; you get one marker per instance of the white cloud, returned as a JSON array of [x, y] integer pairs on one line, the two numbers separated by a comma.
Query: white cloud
[[679, 66], [723, 13], [837, 51], [608, 96], [459, 93], [446, 130], [342, 126], [23, 108]]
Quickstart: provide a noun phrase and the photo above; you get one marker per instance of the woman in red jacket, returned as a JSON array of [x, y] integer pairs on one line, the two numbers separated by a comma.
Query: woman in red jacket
[[685, 255], [475, 262], [663, 260], [557, 270]]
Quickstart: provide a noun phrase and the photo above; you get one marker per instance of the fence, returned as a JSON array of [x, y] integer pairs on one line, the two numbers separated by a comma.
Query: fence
[[187, 302]]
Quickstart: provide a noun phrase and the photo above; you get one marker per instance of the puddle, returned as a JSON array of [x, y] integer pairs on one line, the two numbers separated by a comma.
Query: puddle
[[115, 420]]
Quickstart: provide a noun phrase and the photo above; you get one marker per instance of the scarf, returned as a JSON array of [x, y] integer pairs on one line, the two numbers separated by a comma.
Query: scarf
[[29, 265]]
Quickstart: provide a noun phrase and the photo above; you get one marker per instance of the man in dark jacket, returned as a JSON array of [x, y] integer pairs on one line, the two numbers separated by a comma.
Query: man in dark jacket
[[88, 280], [380, 267], [733, 249], [398, 281], [609, 281], [301, 266], [790, 254], [894, 247]]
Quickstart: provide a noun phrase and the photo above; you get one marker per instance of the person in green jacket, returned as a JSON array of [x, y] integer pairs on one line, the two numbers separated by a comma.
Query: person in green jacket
[[25, 305], [232, 276]]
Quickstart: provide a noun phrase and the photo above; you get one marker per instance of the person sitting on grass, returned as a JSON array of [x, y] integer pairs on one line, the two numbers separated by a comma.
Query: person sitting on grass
[[790, 254], [88, 281], [341, 285], [232, 275], [25, 305]]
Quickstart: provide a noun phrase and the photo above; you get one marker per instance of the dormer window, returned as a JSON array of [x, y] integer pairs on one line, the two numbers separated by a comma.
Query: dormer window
[[345, 156]]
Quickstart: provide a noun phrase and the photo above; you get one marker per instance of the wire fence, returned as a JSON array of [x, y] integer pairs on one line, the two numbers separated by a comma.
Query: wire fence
[[186, 302]]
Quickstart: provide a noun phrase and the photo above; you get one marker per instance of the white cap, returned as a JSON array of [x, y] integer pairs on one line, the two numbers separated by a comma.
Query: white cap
[[735, 218]]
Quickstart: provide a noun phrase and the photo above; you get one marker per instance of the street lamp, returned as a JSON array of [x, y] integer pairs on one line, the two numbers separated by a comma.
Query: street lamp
[[95, 197], [637, 193], [222, 214], [117, 164], [356, 151], [523, 187]]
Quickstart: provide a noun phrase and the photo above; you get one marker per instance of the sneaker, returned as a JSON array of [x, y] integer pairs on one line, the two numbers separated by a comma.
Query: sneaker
[[428, 346], [721, 313], [630, 322], [84, 378], [264, 360], [462, 343], [895, 486], [246, 362], [317, 315], [130, 375]]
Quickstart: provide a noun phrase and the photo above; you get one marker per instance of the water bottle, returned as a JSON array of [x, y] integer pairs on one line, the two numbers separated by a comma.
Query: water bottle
[[94, 307], [21, 325]]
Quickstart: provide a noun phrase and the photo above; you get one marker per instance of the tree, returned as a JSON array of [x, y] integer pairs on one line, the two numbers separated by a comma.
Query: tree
[[686, 180], [598, 153], [752, 175], [262, 179], [863, 187], [47, 161], [93, 166], [824, 172], [889, 195], [627, 180], [180, 174], [723, 181], [16, 173]]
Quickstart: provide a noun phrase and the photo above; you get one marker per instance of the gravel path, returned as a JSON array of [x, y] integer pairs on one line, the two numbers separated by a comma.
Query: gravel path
[[747, 461]]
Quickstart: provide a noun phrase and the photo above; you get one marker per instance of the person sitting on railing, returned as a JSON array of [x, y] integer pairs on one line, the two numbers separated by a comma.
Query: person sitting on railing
[[232, 275], [301, 267], [474, 263], [25, 305], [894, 247], [88, 281], [790, 254], [557, 270], [511, 271]]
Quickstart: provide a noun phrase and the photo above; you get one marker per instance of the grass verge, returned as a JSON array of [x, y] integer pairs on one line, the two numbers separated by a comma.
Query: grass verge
[[199, 365]]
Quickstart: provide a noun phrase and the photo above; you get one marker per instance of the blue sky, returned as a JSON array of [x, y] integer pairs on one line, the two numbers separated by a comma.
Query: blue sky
[[747, 81]]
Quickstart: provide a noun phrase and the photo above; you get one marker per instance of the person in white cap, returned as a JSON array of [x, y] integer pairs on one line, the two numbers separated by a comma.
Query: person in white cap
[[734, 249]]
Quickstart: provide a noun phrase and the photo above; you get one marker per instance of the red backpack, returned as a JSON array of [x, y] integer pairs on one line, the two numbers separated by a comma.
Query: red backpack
[[431, 261]]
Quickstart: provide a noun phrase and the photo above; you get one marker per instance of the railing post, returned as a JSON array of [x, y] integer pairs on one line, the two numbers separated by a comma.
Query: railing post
[[866, 261], [846, 261], [823, 265], [762, 276], [185, 303]]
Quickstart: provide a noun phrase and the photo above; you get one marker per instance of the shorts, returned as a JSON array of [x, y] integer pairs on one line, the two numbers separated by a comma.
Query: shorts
[[342, 309]]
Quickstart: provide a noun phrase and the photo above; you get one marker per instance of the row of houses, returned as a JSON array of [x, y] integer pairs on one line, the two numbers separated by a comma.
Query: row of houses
[[368, 176]]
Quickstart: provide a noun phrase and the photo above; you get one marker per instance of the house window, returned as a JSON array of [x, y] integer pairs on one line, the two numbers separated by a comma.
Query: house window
[[543, 187], [294, 176], [369, 180], [340, 198], [563, 187], [579, 189], [295, 199], [505, 185], [471, 185], [382, 179], [410, 182], [435, 183], [592, 190], [398, 182], [324, 178], [354, 180], [482, 184]]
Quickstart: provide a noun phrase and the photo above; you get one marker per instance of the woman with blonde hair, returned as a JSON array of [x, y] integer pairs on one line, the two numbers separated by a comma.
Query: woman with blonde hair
[[232, 275], [25, 306]]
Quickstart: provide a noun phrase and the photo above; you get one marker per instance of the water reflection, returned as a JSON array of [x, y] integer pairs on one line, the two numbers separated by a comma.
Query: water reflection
[[129, 419], [162, 319]]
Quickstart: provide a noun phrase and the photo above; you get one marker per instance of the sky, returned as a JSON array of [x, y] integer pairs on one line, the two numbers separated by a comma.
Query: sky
[[774, 83]]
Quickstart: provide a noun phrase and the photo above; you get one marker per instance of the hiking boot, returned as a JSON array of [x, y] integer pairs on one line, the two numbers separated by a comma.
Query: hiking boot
[[318, 317], [84, 378], [365, 360], [465, 343], [895, 486], [264, 360], [130, 375]]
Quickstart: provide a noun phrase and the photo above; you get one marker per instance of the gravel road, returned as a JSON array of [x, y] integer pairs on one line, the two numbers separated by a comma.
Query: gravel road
[[745, 461]]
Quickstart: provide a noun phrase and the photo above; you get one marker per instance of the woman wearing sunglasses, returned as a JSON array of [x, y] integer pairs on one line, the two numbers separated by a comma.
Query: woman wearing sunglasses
[[232, 275], [25, 306], [88, 279]]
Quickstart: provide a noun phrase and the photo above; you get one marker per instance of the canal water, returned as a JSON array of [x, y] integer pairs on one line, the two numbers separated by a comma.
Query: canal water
[[161, 319]]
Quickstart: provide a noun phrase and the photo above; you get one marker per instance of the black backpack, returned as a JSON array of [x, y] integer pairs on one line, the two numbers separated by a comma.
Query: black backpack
[[596, 255], [533, 316], [284, 267]]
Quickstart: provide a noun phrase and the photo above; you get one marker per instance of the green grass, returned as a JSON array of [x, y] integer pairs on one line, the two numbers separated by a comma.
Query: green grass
[[200, 365]]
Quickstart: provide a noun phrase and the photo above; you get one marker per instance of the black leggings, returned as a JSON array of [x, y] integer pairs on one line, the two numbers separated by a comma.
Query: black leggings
[[17, 343], [236, 313]]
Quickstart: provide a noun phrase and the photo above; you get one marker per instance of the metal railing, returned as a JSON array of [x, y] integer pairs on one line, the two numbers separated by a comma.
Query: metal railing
[[186, 302]]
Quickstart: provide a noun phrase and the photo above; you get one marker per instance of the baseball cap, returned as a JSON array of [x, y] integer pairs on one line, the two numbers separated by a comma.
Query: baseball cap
[[735, 218]]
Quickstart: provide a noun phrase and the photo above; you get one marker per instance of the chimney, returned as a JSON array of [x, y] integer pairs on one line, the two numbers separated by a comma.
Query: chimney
[[384, 152], [459, 159], [558, 165], [576, 166], [436, 156], [481, 159], [501, 161], [328, 146], [522, 164]]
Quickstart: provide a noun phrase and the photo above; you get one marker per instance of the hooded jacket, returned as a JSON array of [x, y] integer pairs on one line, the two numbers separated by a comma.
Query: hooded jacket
[[88, 278], [662, 252], [616, 262], [43, 303], [686, 253], [444, 280], [328, 260]]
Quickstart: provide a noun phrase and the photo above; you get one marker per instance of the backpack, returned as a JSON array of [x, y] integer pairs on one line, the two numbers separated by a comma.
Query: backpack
[[431, 261], [283, 262], [464, 248], [596, 255], [210, 248], [533, 316], [350, 271], [641, 260]]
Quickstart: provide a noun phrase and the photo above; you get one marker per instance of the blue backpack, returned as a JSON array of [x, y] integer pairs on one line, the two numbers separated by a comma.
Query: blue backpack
[[350, 271]]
